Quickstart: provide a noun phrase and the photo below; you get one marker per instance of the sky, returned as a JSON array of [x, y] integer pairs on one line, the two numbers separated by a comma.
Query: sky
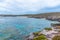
[[29, 6]]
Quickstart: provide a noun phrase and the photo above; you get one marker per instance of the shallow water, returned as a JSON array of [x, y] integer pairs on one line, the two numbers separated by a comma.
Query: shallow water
[[21, 26]]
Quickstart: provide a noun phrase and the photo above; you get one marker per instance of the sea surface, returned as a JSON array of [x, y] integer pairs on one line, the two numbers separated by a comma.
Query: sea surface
[[16, 28]]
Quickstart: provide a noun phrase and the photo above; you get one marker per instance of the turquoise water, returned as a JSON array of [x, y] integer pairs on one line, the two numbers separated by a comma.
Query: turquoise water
[[18, 27]]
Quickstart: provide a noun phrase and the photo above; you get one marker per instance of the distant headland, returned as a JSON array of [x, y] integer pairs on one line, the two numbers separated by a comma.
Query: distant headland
[[54, 16], [41, 15]]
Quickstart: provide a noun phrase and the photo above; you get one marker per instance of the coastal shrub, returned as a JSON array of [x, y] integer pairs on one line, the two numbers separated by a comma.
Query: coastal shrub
[[56, 38], [37, 33], [48, 29], [41, 37]]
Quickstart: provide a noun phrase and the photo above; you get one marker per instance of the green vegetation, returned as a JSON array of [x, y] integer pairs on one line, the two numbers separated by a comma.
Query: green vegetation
[[41, 37], [56, 38], [48, 29], [36, 33]]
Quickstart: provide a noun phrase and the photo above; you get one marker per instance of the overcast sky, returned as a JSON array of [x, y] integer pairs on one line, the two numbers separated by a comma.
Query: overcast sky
[[28, 6]]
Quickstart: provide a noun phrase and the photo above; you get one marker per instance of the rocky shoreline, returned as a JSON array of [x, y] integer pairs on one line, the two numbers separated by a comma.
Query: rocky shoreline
[[46, 33]]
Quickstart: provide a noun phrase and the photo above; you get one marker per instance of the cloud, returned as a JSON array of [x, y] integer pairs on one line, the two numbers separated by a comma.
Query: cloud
[[22, 6]]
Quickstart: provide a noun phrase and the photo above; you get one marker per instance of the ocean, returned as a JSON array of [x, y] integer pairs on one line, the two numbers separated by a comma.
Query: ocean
[[16, 28]]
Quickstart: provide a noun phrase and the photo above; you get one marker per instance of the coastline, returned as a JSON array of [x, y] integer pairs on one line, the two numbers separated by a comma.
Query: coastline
[[48, 33]]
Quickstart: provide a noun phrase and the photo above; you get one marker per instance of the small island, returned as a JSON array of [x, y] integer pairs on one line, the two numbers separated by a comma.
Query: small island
[[52, 33]]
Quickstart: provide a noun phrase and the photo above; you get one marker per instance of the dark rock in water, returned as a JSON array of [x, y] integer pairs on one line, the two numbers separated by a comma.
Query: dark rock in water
[[58, 19]]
